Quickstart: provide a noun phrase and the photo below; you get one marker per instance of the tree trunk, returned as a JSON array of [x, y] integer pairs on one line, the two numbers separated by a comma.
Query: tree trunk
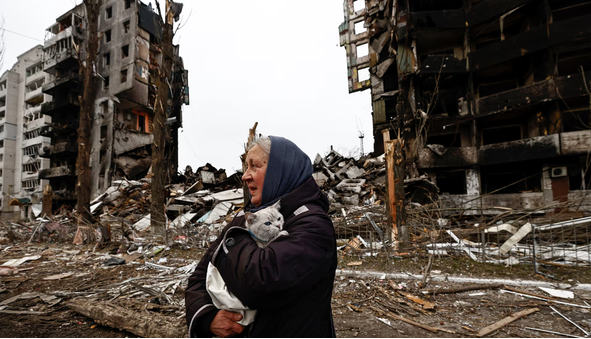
[[157, 218], [83, 183], [147, 325]]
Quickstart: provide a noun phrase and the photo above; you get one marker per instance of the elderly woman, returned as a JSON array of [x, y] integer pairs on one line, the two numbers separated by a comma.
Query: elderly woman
[[290, 281]]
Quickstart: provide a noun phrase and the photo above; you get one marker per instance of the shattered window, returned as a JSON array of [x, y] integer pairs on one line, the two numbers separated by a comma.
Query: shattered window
[[141, 123], [126, 26], [107, 59]]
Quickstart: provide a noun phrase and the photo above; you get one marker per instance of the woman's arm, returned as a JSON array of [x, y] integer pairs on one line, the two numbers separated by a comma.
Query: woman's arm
[[260, 277]]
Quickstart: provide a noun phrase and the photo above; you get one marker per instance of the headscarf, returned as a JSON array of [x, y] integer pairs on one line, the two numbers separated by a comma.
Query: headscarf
[[288, 167]]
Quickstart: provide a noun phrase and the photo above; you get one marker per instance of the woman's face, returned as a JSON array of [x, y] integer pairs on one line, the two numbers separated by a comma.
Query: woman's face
[[254, 176]]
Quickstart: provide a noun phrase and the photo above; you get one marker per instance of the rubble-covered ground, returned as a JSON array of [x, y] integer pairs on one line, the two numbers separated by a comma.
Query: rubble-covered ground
[[116, 278], [65, 272]]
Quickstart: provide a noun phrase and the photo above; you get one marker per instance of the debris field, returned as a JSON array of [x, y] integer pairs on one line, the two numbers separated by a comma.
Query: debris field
[[448, 274]]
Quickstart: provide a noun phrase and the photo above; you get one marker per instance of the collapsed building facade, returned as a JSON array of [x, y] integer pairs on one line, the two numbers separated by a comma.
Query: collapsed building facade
[[127, 65], [491, 98]]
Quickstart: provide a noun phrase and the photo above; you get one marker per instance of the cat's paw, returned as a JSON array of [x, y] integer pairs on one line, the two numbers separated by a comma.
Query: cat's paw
[[282, 233]]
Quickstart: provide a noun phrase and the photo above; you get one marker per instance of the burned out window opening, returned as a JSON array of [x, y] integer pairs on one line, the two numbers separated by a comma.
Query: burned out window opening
[[1, 157], [124, 51], [498, 135], [451, 182], [3, 85], [32, 150], [33, 70], [109, 12], [123, 75], [31, 184], [108, 36], [579, 177], [516, 178], [35, 85], [32, 134], [1, 172], [564, 10], [1, 143], [1, 128], [127, 3], [106, 83], [126, 26], [32, 167], [107, 59], [575, 114]]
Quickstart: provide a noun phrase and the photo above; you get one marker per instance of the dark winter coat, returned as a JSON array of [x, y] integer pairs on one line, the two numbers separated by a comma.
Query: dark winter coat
[[289, 282]]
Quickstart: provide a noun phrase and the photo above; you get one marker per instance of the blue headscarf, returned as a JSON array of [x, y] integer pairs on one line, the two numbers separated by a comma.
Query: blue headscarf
[[288, 167]]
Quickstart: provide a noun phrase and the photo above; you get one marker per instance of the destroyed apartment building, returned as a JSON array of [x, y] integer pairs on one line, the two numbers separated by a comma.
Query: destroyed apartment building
[[129, 58], [491, 98], [21, 98]]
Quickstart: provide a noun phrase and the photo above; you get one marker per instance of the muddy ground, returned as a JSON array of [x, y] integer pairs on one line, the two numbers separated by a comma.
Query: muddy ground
[[455, 314]]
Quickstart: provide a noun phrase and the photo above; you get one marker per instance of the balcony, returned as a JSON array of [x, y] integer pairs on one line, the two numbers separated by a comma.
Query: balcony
[[56, 172], [29, 175], [59, 49], [34, 141], [64, 82], [35, 96], [68, 102], [44, 120], [35, 77], [62, 148]]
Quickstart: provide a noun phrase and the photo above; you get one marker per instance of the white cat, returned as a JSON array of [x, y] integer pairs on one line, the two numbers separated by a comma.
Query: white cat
[[265, 225]]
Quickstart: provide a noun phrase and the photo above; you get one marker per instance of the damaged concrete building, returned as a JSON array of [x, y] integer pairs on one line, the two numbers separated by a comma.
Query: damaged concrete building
[[127, 64], [491, 98], [21, 120]]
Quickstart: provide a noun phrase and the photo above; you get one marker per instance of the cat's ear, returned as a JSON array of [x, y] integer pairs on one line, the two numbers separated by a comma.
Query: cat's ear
[[250, 217], [277, 205]]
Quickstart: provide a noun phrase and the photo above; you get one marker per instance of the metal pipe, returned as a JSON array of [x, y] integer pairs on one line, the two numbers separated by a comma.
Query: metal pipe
[[548, 300], [552, 332], [570, 321]]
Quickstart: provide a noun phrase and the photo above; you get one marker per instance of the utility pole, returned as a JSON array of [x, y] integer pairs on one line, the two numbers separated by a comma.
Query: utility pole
[[158, 217], [87, 100]]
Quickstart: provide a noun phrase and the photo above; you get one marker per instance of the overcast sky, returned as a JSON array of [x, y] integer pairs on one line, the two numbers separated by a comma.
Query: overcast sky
[[277, 63]]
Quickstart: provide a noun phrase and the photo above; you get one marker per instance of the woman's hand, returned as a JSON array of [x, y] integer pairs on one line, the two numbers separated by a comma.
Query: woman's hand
[[224, 324]]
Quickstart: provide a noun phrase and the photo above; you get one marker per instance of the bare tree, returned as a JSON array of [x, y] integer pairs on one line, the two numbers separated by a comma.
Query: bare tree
[[87, 100], [159, 168], [2, 43]]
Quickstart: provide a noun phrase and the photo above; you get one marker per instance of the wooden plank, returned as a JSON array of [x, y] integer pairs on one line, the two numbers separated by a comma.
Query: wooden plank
[[408, 321], [504, 322], [426, 304], [464, 289]]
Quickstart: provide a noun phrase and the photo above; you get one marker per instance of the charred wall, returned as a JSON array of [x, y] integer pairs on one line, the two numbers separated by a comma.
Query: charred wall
[[485, 93]]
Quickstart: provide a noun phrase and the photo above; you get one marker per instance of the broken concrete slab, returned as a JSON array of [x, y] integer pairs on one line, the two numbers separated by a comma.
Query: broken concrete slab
[[18, 262], [143, 224], [182, 220], [523, 231]]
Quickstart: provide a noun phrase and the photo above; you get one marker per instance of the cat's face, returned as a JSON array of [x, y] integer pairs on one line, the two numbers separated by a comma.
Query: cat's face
[[269, 217]]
